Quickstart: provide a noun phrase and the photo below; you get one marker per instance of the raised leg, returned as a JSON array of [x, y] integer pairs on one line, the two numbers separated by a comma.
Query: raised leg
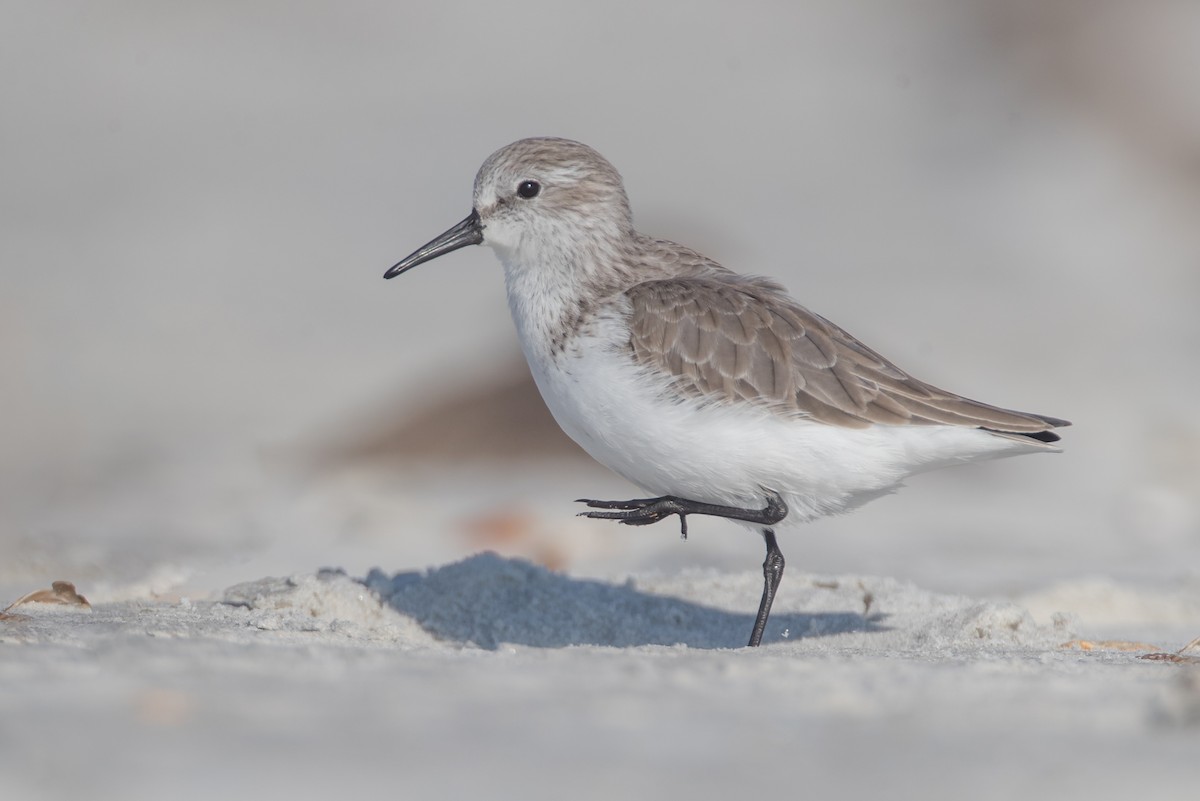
[[772, 575], [644, 511]]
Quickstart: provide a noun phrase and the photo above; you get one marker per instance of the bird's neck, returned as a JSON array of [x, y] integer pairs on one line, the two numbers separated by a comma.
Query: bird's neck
[[554, 291]]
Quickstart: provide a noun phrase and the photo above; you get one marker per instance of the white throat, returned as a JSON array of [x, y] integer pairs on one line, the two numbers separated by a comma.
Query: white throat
[[545, 299]]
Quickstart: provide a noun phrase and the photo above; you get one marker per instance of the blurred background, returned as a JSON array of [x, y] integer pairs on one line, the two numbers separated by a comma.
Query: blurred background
[[205, 379]]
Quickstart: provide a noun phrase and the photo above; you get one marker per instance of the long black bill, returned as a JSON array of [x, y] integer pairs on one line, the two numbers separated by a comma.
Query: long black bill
[[467, 232]]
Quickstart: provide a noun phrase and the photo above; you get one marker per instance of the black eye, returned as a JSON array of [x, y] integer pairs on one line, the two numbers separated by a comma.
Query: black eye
[[528, 189]]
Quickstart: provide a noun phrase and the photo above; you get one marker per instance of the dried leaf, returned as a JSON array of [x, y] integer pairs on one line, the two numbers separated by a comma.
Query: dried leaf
[[60, 592], [1176, 658], [1179, 657]]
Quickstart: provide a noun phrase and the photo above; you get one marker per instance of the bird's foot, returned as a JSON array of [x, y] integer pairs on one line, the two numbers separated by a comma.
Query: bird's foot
[[641, 511], [644, 511]]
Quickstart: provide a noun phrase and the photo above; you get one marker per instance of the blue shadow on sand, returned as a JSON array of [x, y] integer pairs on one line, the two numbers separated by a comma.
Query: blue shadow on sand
[[488, 600]]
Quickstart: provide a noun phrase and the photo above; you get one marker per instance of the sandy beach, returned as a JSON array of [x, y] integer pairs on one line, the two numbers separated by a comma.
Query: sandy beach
[[324, 526]]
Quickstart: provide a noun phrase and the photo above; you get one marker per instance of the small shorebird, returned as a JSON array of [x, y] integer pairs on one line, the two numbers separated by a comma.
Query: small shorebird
[[714, 392]]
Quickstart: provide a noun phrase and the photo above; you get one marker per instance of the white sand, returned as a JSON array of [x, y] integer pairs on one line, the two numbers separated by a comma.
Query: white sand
[[492, 677]]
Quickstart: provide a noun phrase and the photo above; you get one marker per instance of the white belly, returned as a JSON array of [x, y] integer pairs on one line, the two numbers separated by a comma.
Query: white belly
[[731, 454]]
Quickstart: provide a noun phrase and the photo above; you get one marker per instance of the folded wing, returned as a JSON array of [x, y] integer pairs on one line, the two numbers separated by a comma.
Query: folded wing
[[730, 337]]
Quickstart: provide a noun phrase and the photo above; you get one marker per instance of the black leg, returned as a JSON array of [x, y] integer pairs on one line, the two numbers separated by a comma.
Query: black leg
[[644, 511], [772, 574]]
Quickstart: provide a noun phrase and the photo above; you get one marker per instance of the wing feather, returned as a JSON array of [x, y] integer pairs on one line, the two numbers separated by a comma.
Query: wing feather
[[726, 337]]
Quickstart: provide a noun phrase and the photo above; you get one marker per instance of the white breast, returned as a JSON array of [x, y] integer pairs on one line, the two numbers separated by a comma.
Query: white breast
[[627, 417]]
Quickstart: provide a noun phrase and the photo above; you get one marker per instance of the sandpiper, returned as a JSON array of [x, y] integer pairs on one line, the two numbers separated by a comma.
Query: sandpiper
[[712, 391]]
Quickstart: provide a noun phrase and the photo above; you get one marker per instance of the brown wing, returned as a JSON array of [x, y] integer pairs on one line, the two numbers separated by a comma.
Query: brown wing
[[731, 337]]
